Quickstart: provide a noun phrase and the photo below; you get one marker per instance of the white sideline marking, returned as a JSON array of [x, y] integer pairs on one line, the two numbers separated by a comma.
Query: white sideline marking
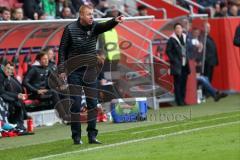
[[185, 124], [137, 140]]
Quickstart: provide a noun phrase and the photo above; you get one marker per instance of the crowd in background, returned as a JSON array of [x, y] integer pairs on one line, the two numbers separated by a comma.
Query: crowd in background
[[45, 9], [221, 8], [67, 9]]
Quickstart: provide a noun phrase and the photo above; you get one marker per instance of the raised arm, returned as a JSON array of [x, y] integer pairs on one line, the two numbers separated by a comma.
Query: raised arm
[[105, 26]]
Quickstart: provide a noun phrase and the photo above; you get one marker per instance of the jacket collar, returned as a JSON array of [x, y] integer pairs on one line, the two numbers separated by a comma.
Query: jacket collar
[[174, 36]]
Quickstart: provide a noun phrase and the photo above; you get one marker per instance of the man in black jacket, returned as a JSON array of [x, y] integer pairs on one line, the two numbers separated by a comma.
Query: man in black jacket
[[176, 51], [36, 81], [11, 92], [211, 58], [78, 51]]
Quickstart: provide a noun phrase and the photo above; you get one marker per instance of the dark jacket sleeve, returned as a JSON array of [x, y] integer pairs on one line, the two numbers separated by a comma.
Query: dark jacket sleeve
[[27, 80], [169, 50], [105, 26], [6, 95], [63, 49], [236, 40]]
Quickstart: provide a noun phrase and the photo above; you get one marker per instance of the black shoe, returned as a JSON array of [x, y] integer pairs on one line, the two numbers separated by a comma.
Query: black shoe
[[219, 95], [94, 141], [77, 141]]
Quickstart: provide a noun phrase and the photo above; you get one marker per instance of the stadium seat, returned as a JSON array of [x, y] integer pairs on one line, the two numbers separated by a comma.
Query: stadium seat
[[26, 63]]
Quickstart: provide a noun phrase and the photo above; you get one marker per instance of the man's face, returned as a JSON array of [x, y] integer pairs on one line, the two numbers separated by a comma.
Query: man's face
[[18, 14], [234, 10], [44, 60], [6, 15], [67, 12], [87, 16], [224, 10], [143, 12], [8, 70], [179, 30], [50, 54]]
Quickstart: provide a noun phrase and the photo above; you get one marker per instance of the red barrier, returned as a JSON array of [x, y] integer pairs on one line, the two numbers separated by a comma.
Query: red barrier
[[227, 73]]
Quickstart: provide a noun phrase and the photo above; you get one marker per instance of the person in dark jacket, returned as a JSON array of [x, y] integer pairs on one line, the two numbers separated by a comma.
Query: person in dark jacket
[[176, 51], [211, 58], [77, 57], [36, 81], [11, 92], [61, 4], [236, 40], [32, 8]]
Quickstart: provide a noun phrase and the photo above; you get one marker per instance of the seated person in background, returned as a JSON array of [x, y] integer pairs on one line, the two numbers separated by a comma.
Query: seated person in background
[[233, 10], [67, 13], [223, 10], [206, 85], [17, 14], [51, 58], [5, 14], [36, 81], [11, 92]]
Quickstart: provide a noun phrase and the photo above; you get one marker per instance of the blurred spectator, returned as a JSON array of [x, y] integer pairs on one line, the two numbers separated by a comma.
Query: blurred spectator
[[36, 82], [49, 7], [102, 5], [223, 10], [207, 3], [32, 8], [183, 3], [195, 45], [61, 4], [51, 57], [233, 10], [217, 9], [95, 2], [17, 14], [66, 13], [42, 16], [11, 92], [211, 58], [235, 2], [5, 14], [236, 40], [142, 10], [112, 12], [76, 4], [187, 24]]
